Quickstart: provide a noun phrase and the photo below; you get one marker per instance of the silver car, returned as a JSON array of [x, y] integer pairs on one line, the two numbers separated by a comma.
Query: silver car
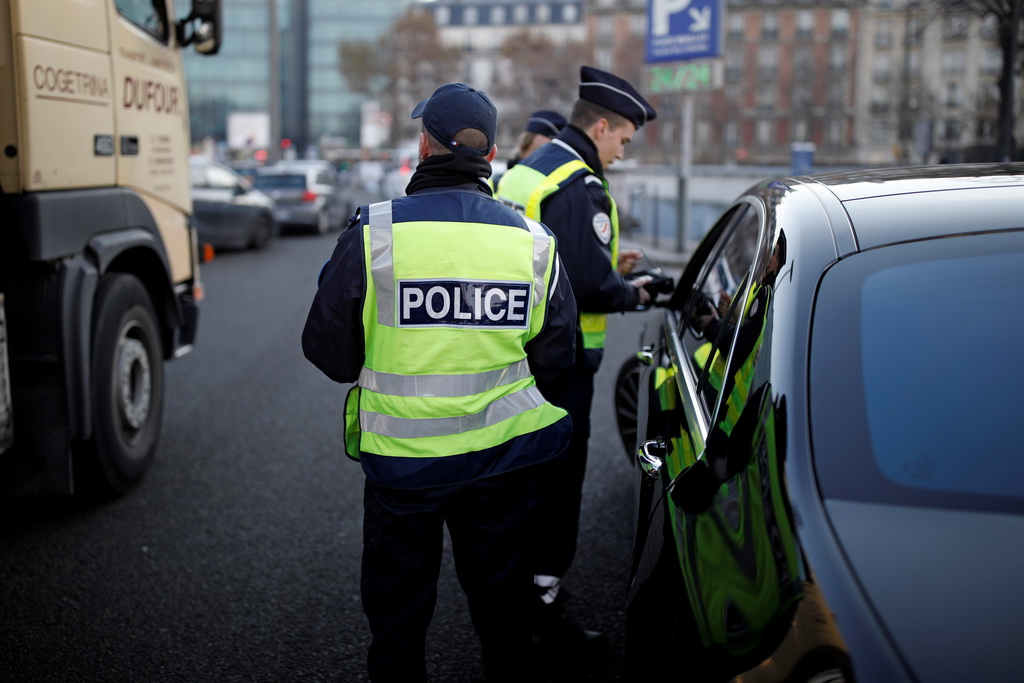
[[309, 194]]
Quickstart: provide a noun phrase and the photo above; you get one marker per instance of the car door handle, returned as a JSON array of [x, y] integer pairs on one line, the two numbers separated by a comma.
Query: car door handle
[[651, 457]]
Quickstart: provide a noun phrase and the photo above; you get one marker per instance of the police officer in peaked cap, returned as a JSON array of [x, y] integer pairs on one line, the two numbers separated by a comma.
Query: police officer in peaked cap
[[563, 184], [445, 308]]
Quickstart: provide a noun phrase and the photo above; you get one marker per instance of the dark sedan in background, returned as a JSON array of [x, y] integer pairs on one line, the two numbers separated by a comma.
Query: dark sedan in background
[[830, 474], [228, 211]]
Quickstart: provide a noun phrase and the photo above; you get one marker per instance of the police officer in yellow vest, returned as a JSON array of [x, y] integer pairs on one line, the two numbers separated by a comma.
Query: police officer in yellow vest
[[445, 307], [563, 185]]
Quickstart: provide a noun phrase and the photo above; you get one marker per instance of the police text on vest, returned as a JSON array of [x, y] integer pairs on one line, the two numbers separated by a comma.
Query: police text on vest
[[461, 303]]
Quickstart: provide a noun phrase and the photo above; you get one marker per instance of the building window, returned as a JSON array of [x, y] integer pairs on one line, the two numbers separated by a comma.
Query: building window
[[836, 132], [735, 27], [840, 23], [883, 67], [953, 61], [879, 100], [836, 94], [801, 95], [521, 14], [768, 61], [803, 61], [769, 26], [991, 61], [731, 133], [470, 16], [570, 14], [837, 57], [497, 15], [883, 34], [443, 16], [880, 131], [805, 24], [605, 35], [914, 65], [954, 27], [954, 95], [951, 130], [800, 130], [542, 13], [766, 95], [764, 132]]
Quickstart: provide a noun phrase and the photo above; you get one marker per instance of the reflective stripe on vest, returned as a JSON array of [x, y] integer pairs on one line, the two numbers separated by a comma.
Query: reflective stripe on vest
[[404, 411], [525, 189]]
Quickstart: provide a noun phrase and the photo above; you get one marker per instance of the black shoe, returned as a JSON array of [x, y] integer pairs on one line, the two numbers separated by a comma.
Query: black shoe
[[554, 632]]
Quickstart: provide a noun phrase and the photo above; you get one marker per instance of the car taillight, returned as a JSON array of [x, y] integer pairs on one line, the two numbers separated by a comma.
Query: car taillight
[[309, 196]]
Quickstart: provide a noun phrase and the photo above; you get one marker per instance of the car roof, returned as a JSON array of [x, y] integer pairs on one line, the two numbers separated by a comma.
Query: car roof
[[875, 182], [874, 207]]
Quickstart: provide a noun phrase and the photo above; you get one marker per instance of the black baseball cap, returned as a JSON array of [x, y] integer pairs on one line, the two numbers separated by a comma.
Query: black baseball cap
[[452, 108], [616, 94]]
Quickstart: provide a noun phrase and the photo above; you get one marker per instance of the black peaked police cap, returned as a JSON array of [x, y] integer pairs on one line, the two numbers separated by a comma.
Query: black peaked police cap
[[452, 108], [611, 92]]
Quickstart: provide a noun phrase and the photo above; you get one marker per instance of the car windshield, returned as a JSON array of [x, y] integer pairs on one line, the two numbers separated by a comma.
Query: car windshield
[[279, 181], [916, 373]]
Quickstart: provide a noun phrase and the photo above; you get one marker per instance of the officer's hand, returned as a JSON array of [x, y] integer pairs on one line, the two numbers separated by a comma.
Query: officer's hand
[[639, 282], [628, 258]]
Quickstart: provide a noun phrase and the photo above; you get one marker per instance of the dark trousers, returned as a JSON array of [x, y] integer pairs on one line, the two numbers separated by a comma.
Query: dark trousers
[[556, 491], [403, 539]]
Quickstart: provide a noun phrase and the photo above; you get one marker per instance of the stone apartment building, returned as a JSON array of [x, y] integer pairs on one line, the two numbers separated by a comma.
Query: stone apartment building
[[866, 81]]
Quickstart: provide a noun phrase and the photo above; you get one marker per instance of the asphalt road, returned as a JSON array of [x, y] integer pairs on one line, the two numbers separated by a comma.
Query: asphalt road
[[237, 558]]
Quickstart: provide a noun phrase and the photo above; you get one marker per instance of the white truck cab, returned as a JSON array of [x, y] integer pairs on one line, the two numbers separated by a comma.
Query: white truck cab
[[99, 265]]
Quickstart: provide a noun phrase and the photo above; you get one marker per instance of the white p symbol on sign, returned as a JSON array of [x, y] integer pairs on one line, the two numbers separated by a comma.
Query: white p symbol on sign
[[661, 10]]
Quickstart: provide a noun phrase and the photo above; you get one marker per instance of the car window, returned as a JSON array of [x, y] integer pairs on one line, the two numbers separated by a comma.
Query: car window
[[915, 374], [280, 182], [713, 311], [324, 178]]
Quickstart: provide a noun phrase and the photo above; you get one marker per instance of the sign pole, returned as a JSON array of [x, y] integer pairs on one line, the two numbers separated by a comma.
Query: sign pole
[[685, 170], [686, 34]]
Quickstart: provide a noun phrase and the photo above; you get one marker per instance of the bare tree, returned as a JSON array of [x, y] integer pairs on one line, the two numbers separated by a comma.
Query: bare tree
[[1007, 14], [537, 74], [401, 67]]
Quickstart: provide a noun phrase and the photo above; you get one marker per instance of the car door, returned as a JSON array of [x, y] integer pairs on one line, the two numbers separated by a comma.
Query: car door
[[729, 513]]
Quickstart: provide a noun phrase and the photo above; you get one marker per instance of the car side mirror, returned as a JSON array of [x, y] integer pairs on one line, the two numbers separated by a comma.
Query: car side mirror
[[240, 190]]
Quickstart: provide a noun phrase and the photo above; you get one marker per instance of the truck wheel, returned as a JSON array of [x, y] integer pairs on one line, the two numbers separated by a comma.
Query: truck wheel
[[127, 386]]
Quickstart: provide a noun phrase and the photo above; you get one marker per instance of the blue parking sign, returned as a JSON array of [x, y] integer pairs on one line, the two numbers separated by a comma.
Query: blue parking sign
[[683, 29]]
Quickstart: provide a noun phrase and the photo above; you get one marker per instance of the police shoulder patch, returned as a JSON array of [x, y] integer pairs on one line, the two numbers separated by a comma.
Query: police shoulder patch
[[602, 227]]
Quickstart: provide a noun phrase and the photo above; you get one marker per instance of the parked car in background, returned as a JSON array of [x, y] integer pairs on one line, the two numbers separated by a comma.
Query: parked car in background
[[229, 212], [309, 194], [830, 483]]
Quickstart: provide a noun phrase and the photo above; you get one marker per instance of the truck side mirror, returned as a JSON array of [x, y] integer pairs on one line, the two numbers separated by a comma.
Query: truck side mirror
[[206, 36]]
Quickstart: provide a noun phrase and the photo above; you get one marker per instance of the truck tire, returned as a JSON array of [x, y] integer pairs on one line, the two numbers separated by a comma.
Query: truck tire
[[127, 387]]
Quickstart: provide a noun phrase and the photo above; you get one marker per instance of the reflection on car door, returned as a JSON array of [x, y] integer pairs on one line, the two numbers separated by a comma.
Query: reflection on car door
[[740, 561]]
